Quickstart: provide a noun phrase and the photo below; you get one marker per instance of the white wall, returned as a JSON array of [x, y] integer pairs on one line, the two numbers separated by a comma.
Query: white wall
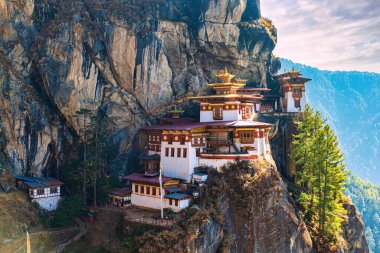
[[290, 106], [179, 167], [206, 116], [228, 115], [184, 203], [154, 201], [147, 201], [48, 203]]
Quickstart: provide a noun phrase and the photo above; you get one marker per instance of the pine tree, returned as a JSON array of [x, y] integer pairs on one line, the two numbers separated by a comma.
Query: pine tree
[[320, 177]]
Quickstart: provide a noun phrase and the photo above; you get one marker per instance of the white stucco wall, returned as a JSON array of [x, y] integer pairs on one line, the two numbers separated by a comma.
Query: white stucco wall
[[206, 116], [228, 115], [290, 106], [179, 167], [48, 203], [147, 201], [182, 204]]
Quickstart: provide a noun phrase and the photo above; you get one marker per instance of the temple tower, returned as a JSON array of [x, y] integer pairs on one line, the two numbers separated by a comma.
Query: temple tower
[[292, 86]]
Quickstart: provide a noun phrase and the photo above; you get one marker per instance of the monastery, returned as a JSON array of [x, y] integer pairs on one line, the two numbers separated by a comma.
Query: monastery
[[226, 131]]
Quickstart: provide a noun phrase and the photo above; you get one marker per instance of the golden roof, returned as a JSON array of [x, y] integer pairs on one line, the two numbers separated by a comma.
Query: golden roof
[[224, 76]]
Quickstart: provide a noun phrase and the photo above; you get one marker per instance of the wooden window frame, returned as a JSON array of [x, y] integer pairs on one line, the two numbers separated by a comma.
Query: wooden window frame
[[170, 202], [247, 137], [178, 152], [148, 190], [40, 191], [172, 152], [167, 152], [142, 189], [182, 140], [154, 192], [176, 202], [184, 153], [217, 112]]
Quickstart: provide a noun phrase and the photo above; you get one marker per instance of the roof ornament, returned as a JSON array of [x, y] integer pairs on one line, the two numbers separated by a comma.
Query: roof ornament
[[224, 76]]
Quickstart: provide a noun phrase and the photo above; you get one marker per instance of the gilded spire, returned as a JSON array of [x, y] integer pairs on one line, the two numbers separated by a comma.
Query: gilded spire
[[224, 76]]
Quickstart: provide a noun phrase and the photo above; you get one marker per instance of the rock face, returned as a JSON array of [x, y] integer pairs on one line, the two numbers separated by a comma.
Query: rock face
[[260, 215], [127, 59], [353, 232]]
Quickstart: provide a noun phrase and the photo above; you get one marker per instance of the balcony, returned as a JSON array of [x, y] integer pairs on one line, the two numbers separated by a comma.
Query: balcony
[[218, 142]]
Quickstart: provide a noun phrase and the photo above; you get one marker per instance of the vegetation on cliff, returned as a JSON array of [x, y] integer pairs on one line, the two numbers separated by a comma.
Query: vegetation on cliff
[[366, 197], [320, 179]]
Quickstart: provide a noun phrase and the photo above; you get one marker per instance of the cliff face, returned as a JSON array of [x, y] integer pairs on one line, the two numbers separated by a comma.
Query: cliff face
[[259, 212], [128, 59]]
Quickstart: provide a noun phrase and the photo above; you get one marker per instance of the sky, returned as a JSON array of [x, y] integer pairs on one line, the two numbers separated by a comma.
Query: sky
[[327, 34]]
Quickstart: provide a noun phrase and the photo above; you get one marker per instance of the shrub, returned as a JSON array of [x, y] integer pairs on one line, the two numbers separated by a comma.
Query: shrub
[[67, 211]]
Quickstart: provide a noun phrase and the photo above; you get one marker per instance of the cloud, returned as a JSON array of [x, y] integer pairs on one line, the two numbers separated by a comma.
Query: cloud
[[333, 35]]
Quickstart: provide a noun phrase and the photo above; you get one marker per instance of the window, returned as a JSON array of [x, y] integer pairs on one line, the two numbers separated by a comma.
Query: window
[[136, 188], [246, 137], [198, 152], [154, 191], [176, 202], [170, 139], [30, 192], [172, 152], [218, 112], [170, 202], [178, 152], [246, 111], [166, 152], [196, 141], [142, 189], [40, 191], [54, 190], [183, 140], [150, 138], [148, 190], [184, 153], [297, 102]]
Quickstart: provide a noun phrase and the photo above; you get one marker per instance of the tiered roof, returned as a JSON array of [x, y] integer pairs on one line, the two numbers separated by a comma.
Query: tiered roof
[[227, 89]]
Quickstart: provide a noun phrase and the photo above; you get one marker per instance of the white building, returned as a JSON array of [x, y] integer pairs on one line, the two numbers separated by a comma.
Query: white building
[[146, 192], [291, 96], [45, 191]]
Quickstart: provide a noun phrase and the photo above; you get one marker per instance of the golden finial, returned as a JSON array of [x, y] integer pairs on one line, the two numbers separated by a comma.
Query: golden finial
[[224, 76]]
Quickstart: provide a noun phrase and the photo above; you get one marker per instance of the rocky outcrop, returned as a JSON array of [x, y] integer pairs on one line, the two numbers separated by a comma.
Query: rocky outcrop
[[354, 239], [129, 60], [259, 213]]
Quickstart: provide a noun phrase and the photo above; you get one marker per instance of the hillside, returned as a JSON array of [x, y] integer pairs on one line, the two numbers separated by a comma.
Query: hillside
[[366, 197], [351, 102]]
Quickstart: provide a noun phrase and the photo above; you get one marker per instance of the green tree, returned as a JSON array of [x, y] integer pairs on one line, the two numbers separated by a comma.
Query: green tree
[[320, 178]]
